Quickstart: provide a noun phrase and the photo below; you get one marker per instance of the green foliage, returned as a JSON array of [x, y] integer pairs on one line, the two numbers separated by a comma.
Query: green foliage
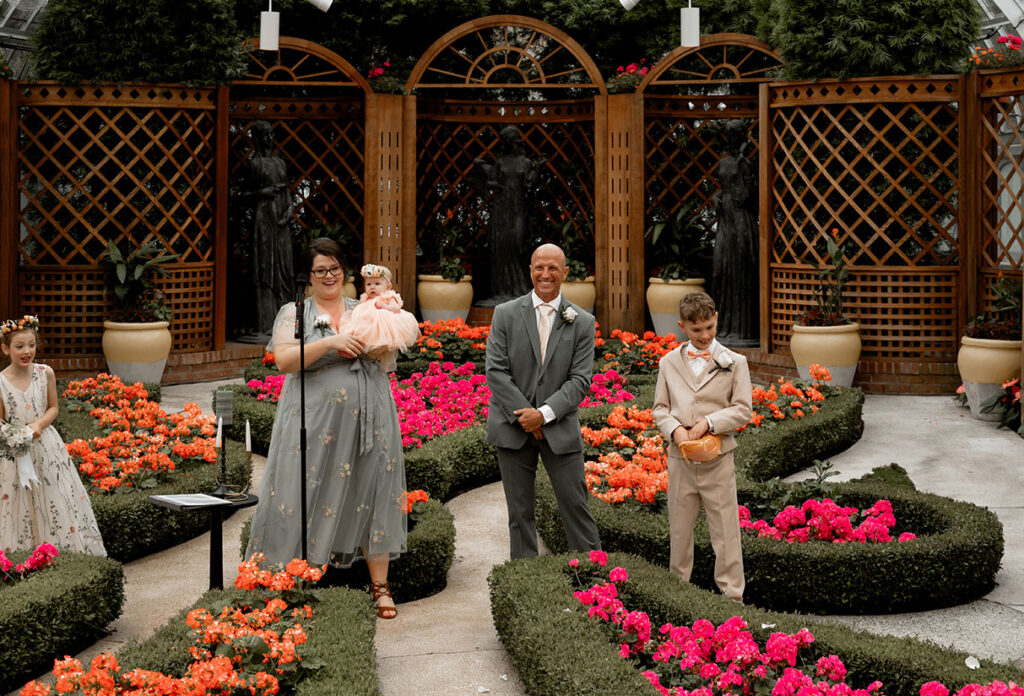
[[56, 611], [130, 525], [531, 600], [136, 296], [341, 635], [1003, 320], [849, 38], [683, 238], [193, 42], [785, 449], [421, 571], [954, 559]]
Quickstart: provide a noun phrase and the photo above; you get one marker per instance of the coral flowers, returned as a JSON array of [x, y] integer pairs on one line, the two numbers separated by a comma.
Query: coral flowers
[[142, 442]]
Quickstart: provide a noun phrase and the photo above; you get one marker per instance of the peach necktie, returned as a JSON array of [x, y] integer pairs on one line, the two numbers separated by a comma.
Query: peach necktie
[[544, 328]]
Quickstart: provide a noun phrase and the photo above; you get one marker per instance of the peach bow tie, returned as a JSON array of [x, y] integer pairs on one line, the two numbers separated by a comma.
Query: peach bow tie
[[706, 354]]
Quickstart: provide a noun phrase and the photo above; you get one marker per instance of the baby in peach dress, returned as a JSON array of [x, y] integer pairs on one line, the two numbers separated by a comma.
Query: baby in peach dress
[[379, 320]]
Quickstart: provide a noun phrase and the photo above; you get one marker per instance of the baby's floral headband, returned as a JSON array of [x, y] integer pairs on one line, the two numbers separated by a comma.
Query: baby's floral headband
[[29, 321], [372, 270]]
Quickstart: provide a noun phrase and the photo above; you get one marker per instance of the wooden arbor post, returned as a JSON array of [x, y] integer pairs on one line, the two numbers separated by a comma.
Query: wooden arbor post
[[390, 221], [619, 217], [8, 203]]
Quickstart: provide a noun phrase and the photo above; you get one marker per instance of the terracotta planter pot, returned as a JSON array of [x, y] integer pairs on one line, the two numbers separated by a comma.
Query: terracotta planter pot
[[663, 302], [582, 293], [136, 352], [441, 299], [836, 348], [984, 364]]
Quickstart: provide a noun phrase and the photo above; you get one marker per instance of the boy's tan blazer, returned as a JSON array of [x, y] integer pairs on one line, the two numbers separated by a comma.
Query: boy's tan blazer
[[722, 394]]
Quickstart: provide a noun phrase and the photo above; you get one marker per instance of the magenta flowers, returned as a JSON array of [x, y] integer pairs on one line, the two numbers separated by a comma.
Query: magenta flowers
[[608, 387], [824, 520], [41, 557], [444, 399]]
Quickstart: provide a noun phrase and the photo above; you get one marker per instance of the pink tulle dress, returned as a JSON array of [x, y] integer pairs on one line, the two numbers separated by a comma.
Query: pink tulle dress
[[381, 323]]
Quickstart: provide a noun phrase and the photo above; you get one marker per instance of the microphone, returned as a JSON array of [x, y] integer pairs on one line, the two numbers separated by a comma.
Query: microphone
[[300, 292]]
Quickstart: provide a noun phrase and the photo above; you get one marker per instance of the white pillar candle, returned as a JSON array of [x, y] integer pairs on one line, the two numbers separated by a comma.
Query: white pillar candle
[[220, 423], [248, 438]]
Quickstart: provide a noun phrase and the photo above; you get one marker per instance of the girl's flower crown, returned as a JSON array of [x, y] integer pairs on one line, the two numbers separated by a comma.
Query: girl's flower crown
[[371, 270], [29, 321]]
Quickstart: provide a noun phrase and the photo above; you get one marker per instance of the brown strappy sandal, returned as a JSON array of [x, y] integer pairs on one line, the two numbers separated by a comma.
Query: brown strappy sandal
[[378, 590]]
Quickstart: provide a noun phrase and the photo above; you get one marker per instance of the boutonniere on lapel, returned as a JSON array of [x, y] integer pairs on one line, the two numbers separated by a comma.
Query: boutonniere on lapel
[[722, 361], [322, 323], [568, 315]]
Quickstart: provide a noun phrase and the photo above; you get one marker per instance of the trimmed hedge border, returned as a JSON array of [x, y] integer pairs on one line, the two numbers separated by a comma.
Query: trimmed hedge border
[[420, 572], [531, 601], [345, 623], [56, 611], [954, 560], [133, 527]]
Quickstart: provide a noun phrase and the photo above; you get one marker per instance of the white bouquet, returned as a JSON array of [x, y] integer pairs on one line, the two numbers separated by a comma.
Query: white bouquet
[[15, 443]]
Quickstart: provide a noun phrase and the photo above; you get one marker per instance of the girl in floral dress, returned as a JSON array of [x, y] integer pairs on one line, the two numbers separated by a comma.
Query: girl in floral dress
[[42, 499], [379, 321]]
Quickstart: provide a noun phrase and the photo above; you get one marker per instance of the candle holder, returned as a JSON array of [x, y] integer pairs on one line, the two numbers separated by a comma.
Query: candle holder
[[223, 400]]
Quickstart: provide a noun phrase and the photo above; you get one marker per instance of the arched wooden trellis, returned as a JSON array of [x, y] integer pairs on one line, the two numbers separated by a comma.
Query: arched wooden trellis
[[687, 96], [317, 103], [473, 81]]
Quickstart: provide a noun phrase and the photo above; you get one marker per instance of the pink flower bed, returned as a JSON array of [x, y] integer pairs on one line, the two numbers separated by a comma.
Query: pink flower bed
[[725, 660], [447, 398], [41, 557], [444, 399], [608, 387], [824, 520]]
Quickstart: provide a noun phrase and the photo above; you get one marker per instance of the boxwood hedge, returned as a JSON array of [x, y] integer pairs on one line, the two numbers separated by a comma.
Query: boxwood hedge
[[131, 526], [54, 612], [341, 635], [954, 560], [531, 601], [421, 571]]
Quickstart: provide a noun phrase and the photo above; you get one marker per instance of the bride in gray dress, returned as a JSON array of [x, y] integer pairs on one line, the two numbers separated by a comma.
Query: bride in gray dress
[[355, 468]]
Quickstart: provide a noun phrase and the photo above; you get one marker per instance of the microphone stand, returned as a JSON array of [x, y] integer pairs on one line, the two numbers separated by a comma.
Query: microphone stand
[[300, 334]]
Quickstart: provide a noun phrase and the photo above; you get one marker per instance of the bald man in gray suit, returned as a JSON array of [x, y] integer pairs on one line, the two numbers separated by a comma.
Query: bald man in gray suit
[[535, 394]]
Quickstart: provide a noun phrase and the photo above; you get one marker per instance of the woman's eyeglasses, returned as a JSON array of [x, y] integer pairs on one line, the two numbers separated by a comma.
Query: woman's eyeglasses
[[322, 272]]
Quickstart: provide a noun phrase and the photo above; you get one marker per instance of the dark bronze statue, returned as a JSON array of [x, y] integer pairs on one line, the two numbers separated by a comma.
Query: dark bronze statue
[[273, 272], [735, 277], [508, 242]]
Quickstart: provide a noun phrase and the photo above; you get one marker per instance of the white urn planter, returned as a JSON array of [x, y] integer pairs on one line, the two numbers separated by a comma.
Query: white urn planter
[[836, 348], [349, 288], [663, 302], [440, 299], [984, 364], [582, 293], [136, 351]]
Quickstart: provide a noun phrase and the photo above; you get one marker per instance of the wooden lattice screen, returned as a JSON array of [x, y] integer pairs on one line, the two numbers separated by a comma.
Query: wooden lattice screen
[[1001, 244], [314, 101], [688, 96], [877, 161], [513, 62], [121, 163], [452, 135]]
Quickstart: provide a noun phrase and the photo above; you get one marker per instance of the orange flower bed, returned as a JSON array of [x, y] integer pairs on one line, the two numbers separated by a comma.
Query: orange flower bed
[[638, 354], [143, 444], [628, 461]]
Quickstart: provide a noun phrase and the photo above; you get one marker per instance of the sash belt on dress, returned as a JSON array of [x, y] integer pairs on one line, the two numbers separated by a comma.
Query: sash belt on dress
[[362, 365]]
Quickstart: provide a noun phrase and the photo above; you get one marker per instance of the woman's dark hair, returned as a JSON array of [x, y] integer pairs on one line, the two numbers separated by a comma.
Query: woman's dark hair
[[322, 246]]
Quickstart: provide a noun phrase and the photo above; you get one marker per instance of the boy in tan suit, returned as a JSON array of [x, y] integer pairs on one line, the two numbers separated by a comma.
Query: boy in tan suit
[[703, 387]]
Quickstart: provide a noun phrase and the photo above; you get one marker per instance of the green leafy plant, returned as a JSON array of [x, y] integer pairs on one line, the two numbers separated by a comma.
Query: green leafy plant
[[383, 83], [575, 250], [1007, 404], [828, 294], [446, 259], [1003, 320], [628, 78], [137, 299], [681, 239]]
